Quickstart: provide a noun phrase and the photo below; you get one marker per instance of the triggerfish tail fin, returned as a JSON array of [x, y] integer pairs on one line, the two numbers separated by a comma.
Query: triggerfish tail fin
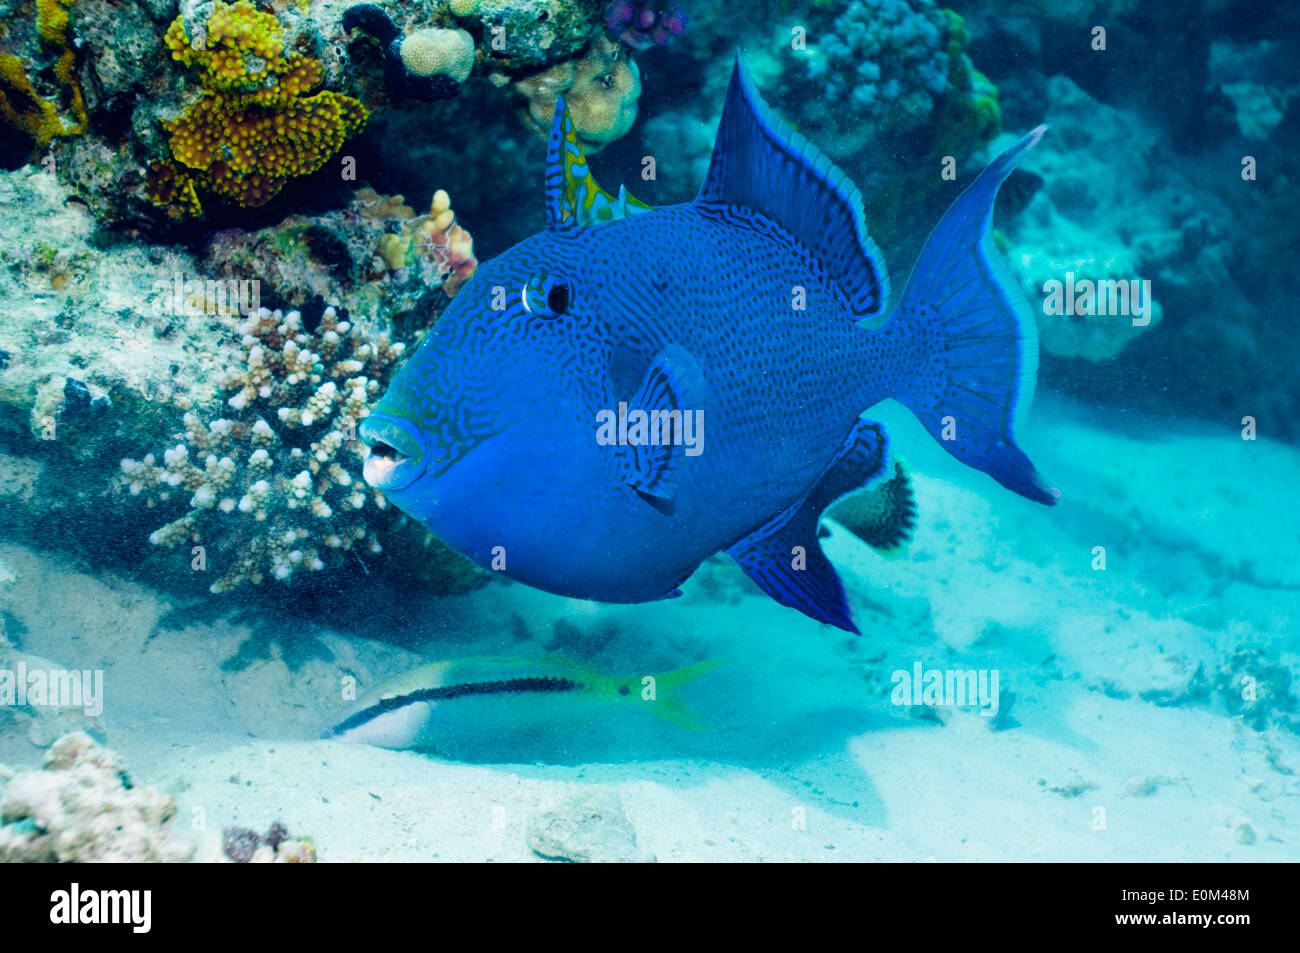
[[663, 693], [975, 342]]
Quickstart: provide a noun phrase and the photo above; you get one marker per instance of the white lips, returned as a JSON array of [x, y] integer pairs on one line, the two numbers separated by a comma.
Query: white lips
[[378, 470]]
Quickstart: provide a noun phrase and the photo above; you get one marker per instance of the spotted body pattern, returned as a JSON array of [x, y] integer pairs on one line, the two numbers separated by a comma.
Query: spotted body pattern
[[749, 308]]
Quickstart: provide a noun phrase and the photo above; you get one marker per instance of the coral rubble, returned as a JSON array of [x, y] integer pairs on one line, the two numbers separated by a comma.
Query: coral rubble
[[82, 807], [243, 845], [589, 828]]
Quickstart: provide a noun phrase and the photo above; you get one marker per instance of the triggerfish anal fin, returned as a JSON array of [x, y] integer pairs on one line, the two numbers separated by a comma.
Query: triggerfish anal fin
[[883, 517], [761, 164], [784, 558], [673, 389], [573, 198]]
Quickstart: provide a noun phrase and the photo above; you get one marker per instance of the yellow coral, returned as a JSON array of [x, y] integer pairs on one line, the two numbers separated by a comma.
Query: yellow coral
[[241, 52], [21, 105], [52, 20], [253, 128]]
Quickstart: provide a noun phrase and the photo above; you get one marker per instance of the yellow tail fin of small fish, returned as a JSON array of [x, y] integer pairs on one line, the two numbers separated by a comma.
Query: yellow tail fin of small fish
[[667, 691]]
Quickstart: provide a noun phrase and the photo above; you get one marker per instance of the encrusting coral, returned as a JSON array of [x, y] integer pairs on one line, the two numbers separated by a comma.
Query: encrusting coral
[[82, 807], [282, 462], [253, 127], [434, 243], [39, 116]]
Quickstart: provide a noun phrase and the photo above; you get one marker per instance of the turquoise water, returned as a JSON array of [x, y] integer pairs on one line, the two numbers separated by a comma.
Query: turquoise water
[[1109, 678]]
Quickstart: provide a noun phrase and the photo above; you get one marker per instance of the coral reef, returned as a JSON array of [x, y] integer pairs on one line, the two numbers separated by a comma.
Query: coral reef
[[83, 807], [600, 89], [295, 478], [252, 128], [531, 34], [58, 108], [154, 337], [644, 23], [231, 106], [375, 256], [128, 362], [433, 242], [1070, 225], [886, 71]]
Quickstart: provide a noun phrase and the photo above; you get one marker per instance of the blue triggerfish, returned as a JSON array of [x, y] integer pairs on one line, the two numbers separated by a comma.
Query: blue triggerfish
[[465, 704], [614, 400]]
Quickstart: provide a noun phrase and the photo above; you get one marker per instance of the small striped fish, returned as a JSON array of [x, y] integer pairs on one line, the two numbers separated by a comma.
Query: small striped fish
[[444, 701]]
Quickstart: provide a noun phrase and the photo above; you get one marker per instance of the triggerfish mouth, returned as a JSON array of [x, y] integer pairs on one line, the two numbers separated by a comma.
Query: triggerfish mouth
[[612, 401], [453, 705]]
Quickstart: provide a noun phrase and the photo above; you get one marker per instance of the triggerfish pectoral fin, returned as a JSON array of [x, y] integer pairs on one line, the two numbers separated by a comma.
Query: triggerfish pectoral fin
[[672, 389], [573, 198], [966, 319], [784, 556]]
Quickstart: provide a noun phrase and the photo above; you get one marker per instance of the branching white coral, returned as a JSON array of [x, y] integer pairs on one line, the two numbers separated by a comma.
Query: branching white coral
[[270, 486]]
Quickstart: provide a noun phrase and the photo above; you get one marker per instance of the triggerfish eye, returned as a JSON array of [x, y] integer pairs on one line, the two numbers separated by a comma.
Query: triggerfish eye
[[547, 296]]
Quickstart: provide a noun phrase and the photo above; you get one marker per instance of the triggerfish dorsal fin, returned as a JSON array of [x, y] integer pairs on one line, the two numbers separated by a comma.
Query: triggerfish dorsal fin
[[761, 164], [573, 197]]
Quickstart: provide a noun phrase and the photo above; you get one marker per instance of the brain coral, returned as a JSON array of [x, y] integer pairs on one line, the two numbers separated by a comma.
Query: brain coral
[[449, 52]]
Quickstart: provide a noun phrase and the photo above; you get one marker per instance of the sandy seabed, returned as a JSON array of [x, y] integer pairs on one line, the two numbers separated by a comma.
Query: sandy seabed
[[1121, 734]]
